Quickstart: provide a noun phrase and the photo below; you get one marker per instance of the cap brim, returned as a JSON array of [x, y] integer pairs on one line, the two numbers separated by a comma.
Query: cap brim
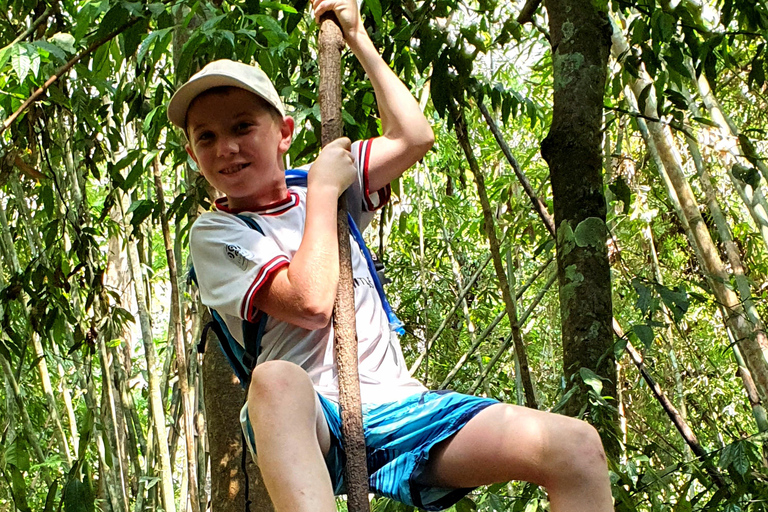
[[179, 104]]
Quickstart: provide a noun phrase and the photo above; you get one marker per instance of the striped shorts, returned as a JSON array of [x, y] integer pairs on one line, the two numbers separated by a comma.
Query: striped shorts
[[398, 437]]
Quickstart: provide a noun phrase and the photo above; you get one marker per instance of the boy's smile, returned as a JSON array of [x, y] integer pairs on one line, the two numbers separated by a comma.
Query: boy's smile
[[238, 144]]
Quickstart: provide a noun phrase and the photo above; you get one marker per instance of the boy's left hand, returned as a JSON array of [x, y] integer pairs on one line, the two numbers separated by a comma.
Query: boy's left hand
[[346, 11]]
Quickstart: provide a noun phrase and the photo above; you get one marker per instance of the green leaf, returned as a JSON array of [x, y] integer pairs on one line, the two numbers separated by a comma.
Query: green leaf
[[18, 489], [466, 505], [131, 38], [147, 42], [375, 7], [20, 61], [78, 497], [50, 498], [116, 17], [622, 191], [440, 87], [676, 300], [64, 41], [663, 25], [591, 379], [52, 50], [739, 459], [279, 7], [269, 23], [141, 209], [644, 333], [748, 175], [590, 232], [642, 100]]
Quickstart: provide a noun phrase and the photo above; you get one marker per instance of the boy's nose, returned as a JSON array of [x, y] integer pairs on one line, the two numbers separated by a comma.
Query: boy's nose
[[226, 146]]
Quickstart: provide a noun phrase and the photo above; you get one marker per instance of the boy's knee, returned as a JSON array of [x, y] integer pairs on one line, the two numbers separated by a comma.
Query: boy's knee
[[278, 380], [581, 455]]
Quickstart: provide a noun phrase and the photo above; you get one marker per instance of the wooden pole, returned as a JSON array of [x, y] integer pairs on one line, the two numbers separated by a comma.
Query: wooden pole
[[330, 44]]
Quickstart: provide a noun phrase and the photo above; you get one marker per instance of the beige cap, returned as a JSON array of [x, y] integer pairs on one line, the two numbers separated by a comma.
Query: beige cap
[[222, 73]]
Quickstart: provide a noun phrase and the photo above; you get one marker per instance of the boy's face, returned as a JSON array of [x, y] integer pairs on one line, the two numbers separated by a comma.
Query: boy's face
[[238, 145]]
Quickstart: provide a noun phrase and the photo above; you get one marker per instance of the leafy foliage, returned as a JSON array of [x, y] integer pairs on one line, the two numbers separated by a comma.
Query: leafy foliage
[[77, 190]]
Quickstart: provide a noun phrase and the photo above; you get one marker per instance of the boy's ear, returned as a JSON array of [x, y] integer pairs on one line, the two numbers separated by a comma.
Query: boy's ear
[[190, 152], [286, 132]]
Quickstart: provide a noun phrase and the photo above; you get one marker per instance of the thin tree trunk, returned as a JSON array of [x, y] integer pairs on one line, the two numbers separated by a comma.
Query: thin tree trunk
[[481, 337], [681, 425], [42, 365], [26, 423], [508, 341], [536, 202], [155, 400], [449, 315], [66, 395], [423, 282], [177, 335], [109, 413], [490, 232], [330, 44], [456, 271]]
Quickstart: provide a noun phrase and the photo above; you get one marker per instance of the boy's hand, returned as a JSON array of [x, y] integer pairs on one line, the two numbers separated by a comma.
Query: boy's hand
[[347, 13], [334, 167]]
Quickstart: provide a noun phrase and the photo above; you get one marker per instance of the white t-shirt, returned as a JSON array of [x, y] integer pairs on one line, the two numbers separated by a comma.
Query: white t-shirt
[[233, 261]]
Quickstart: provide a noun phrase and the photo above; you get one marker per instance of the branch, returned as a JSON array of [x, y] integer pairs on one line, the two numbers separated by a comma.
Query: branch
[[32, 27], [682, 426], [66, 67], [527, 12], [538, 204], [651, 119]]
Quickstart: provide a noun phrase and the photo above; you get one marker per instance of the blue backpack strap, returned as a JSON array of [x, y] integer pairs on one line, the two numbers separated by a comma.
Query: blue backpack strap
[[252, 331], [232, 349], [298, 178], [394, 323]]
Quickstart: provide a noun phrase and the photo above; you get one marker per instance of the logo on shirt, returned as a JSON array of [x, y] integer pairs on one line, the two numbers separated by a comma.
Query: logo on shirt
[[238, 255]]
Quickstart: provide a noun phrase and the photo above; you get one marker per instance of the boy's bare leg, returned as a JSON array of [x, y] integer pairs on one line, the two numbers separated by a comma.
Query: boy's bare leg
[[292, 437], [507, 442]]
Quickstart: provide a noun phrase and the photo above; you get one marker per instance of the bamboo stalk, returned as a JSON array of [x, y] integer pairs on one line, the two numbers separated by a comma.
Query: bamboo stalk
[[484, 334], [155, 400], [177, 335]]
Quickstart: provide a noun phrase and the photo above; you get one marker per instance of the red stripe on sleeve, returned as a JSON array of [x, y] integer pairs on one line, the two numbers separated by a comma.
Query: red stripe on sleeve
[[248, 309]]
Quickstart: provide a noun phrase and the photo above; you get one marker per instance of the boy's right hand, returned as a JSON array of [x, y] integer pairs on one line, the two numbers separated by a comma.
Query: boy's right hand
[[334, 167]]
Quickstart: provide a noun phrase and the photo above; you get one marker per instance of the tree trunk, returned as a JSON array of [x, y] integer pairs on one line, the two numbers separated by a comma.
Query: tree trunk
[[177, 335], [155, 400], [749, 333], [225, 438], [580, 37]]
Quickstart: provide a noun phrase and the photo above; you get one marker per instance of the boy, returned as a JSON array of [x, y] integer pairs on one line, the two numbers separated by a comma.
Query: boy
[[426, 449]]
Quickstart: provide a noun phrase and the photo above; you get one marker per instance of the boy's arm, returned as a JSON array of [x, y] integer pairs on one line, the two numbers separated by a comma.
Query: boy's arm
[[303, 292], [407, 136]]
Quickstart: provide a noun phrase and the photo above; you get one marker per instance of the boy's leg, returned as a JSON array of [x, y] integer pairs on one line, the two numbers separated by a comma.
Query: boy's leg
[[507, 442], [291, 437]]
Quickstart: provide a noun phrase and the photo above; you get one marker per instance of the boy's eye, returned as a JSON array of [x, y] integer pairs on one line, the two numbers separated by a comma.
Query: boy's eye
[[241, 127], [204, 136]]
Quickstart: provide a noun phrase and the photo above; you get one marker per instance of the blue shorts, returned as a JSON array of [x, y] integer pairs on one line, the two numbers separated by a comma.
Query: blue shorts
[[398, 438]]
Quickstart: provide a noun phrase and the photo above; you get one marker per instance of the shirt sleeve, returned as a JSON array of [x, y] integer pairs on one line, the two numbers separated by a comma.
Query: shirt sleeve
[[232, 262], [365, 201]]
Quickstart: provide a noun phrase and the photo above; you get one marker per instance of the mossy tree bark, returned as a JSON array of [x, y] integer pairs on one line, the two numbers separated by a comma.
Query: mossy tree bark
[[581, 41]]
